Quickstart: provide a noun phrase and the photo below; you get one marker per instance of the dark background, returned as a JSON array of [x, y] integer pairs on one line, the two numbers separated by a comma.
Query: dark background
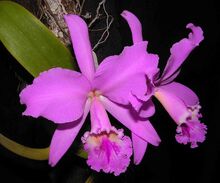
[[163, 24]]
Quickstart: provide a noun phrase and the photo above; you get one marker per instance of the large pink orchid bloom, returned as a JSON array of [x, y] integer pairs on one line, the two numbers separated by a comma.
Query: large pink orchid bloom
[[180, 102], [116, 85]]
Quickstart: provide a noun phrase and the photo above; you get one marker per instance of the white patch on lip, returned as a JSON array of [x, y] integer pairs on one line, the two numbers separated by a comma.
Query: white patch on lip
[[192, 113], [184, 117], [195, 111]]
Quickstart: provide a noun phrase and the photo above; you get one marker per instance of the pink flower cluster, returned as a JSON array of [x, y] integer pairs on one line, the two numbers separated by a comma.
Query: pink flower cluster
[[122, 85]]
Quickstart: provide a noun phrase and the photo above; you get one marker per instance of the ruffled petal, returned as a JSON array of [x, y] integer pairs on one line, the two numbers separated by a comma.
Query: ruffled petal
[[192, 132], [134, 24], [81, 44], [140, 147], [132, 121], [64, 136], [181, 50], [122, 78], [183, 92], [58, 95], [109, 152]]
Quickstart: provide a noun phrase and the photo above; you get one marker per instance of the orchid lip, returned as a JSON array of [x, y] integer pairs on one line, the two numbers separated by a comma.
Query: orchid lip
[[108, 151]]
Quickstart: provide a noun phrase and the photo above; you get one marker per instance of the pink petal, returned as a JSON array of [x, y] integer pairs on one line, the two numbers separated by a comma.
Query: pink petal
[[81, 44], [147, 110], [183, 92], [173, 105], [139, 146], [58, 95], [99, 117], [181, 50], [122, 78], [134, 24], [64, 136], [143, 129]]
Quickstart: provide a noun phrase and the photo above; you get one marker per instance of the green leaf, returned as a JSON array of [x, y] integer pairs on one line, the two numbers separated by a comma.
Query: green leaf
[[30, 152], [24, 151], [90, 179], [81, 153], [32, 44]]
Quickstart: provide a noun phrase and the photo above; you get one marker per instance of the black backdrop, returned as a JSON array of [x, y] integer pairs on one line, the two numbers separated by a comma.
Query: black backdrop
[[163, 24]]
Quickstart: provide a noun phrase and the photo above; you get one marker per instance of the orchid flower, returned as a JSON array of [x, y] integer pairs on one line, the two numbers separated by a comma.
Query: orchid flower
[[181, 103], [116, 85]]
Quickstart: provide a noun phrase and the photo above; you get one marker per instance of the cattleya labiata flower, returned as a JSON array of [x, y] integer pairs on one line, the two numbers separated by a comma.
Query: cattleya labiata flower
[[181, 103], [116, 85], [123, 85]]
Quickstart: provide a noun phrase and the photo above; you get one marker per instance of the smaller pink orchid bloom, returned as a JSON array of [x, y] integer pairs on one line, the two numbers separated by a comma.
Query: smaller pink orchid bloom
[[116, 85], [181, 103]]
